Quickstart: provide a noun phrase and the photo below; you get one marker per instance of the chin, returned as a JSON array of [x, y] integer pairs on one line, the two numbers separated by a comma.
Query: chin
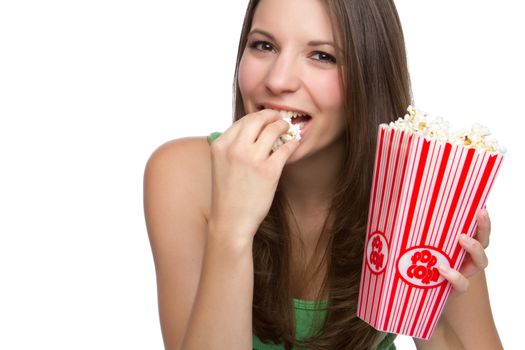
[[296, 157]]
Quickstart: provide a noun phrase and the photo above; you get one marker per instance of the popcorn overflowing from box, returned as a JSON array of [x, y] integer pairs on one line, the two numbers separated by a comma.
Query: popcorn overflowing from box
[[429, 183], [437, 128]]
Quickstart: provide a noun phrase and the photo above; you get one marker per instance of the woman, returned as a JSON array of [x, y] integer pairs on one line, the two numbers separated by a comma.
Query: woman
[[262, 249]]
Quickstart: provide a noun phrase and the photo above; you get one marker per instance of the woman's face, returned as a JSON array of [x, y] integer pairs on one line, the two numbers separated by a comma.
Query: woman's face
[[289, 64]]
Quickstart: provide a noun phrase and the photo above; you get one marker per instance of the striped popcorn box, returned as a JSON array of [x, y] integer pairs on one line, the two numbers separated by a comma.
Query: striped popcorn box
[[425, 193]]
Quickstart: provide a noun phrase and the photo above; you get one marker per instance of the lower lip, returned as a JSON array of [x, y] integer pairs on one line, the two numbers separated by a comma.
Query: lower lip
[[305, 127]]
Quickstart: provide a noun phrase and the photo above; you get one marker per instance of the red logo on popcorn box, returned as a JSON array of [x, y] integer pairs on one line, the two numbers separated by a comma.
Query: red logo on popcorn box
[[377, 252], [418, 266]]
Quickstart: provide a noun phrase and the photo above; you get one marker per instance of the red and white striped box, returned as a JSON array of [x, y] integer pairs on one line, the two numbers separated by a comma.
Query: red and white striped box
[[425, 193]]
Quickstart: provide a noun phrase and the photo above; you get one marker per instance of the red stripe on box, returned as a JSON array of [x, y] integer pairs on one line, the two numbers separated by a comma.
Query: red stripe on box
[[418, 312], [424, 203], [433, 173], [385, 181], [420, 307], [386, 231], [437, 187], [365, 271], [465, 201], [411, 215], [417, 184], [462, 178], [465, 205], [415, 194], [488, 171], [453, 170], [377, 171], [404, 309], [380, 185], [433, 314], [398, 200], [474, 207], [396, 165], [472, 210]]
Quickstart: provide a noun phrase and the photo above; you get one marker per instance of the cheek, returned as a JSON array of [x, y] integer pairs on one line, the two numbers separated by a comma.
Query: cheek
[[248, 76], [328, 92]]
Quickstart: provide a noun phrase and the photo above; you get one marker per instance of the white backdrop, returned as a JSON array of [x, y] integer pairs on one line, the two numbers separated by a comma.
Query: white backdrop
[[89, 89]]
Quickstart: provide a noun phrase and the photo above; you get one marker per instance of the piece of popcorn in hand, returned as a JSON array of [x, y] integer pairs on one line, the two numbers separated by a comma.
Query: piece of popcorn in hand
[[294, 132]]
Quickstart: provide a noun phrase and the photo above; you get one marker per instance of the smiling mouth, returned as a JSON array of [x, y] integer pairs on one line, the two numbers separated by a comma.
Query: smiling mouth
[[296, 117]]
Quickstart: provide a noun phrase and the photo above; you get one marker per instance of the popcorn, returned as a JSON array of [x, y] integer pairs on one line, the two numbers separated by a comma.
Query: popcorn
[[435, 128], [293, 133]]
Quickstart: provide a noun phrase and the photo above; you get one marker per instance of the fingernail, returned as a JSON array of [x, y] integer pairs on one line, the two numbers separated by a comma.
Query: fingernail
[[443, 268], [467, 239]]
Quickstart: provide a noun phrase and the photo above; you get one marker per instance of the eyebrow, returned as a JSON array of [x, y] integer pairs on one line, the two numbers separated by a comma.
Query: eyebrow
[[310, 43], [329, 43]]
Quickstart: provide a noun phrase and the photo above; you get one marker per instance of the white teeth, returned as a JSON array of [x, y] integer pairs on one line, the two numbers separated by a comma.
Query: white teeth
[[290, 114]]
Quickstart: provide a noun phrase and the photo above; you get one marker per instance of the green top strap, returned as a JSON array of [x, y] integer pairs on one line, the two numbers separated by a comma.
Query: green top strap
[[213, 136]]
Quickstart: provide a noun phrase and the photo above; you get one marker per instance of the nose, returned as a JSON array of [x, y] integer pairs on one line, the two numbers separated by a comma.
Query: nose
[[283, 75]]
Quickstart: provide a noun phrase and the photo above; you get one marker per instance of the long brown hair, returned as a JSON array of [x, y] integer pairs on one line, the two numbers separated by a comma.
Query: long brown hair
[[376, 85]]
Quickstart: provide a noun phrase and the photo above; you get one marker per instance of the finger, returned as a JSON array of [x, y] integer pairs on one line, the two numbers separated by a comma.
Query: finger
[[468, 268], [270, 134], [483, 229], [284, 152], [475, 251], [248, 127], [459, 282], [253, 124]]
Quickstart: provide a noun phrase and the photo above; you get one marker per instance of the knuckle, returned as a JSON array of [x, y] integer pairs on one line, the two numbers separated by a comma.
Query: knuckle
[[248, 119], [265, 115], [459, 282], [476, 245], [485, 262], [245, 122], [465, 284], [456, 278], [275, 129]]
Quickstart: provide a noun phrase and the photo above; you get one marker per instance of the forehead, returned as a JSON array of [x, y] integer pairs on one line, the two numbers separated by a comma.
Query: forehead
[[299, 19]]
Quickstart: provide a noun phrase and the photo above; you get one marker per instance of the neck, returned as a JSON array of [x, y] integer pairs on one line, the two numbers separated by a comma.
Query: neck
[[309, 184]]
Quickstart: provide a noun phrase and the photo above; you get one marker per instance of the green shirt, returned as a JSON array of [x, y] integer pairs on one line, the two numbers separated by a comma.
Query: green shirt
[[305, 326]]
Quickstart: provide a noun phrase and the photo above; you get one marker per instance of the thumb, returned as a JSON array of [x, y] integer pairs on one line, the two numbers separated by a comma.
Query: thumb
[[285, 151]]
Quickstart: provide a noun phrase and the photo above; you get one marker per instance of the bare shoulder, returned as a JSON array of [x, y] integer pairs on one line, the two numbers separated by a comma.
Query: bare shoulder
[[177, 183], [185, 161]]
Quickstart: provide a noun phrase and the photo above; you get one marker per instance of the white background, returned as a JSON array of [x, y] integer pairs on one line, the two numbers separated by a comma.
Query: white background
[[88, 89]]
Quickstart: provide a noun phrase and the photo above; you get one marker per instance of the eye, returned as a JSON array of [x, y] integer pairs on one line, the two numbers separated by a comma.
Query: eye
[[323, 57], [261, 45]]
